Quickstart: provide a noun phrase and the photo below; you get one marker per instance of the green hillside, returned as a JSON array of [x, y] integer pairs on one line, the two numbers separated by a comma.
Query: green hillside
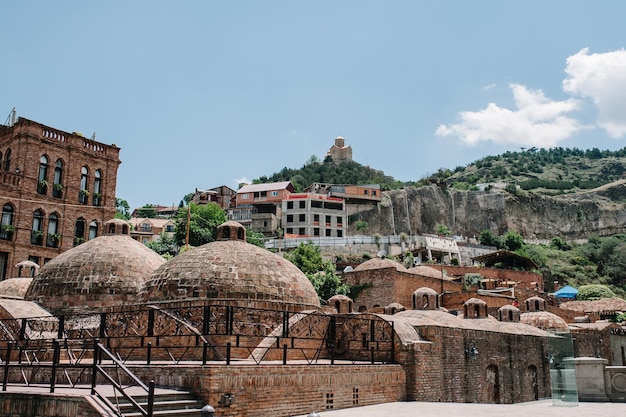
[[552, 171], [332, 172]]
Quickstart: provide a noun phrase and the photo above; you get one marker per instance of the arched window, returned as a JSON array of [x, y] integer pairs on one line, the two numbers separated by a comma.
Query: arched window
[[54, 238], [7, 228], [7, 160], [93, 230], [97, 186], [36, 234], [57, 183], [42, 178], [83, 193], [79, 231]]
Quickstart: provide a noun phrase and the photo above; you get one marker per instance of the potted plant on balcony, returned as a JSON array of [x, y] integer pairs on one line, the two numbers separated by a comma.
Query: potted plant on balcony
[[42, 186], [57, 190], [8, 228]]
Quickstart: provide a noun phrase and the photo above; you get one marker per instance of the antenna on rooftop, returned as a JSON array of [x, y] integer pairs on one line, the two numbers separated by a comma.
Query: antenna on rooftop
[[10, 121], [93, 137]]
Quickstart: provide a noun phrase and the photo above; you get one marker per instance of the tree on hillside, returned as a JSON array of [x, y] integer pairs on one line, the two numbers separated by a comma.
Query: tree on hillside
[[147, 211], [513, 241], [203, 223], [488, 238], [594, 292], [322, 274]]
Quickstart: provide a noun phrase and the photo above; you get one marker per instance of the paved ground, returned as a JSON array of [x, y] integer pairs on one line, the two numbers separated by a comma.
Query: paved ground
[[531, 409]]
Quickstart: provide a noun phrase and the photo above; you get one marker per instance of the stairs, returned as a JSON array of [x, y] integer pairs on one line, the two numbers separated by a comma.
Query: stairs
[[167, 403]]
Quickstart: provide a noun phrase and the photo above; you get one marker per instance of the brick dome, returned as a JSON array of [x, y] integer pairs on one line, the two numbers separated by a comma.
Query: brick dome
[[103, 272], [380, 263], [544, 320], [14, 287], [233, 271]]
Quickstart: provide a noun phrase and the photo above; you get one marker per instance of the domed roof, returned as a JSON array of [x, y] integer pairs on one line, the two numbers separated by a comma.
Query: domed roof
[[14, 287], [380, 263], [232, 270], [544, 320], [425, 291], [426, 271], [103, 272]]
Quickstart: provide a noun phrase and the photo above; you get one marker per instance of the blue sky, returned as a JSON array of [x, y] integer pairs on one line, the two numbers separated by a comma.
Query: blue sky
[[204, 93]]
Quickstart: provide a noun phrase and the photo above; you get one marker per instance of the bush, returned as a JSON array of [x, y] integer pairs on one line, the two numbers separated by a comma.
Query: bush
[[594, 292]]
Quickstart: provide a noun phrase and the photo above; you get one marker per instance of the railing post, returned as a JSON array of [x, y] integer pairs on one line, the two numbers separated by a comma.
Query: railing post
[[23, 329], [285, 324], [150, 323], [5, 378], [94, 368], [204, 352], [150, 398], [61, 327], [285, 354], [56, 357], [103, 325], [228, 353], [393, 345], [231, 319], [206, 319], [149, 353]]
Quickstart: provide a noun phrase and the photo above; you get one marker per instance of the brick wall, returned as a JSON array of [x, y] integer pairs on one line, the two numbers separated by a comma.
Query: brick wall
[[444, 372], [44, 405], [387, 285], [30, 140], [285, 390]]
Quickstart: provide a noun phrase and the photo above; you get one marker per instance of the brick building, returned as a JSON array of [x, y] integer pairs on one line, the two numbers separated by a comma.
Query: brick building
[[56, 191]]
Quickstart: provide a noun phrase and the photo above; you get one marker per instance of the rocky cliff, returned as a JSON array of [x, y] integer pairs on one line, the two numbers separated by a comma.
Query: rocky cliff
[[601, 211]]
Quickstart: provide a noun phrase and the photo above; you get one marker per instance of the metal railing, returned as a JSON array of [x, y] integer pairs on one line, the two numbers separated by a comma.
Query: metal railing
[[204, 333]]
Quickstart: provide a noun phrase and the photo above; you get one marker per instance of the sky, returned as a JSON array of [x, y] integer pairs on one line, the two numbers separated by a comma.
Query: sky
[[199, 94]]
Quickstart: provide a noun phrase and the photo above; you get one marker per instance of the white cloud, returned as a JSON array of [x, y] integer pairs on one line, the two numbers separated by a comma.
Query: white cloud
[[489, 87], [601, 77], [536, 121]]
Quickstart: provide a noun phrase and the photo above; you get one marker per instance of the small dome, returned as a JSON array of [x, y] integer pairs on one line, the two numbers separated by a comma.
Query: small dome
[[232, 271], [509, 313], [394, 308], [475, 308], [27, 269], [544, 320], [535, 304], [14, 287], [116, 227], [380, 263], [107, 271], [426, 271], [342, 303], [425, 299]]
